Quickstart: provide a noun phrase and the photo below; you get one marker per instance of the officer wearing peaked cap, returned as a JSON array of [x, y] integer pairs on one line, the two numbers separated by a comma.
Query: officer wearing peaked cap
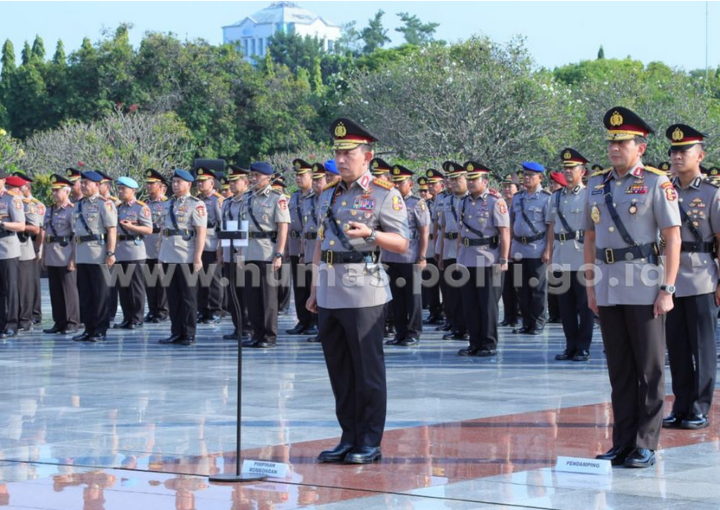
[[566, 235], [511, 305], [351, 290], [629, 205], [73, 174], [181, 249], [665, 167], [484, 244], [691, 324], [95, 227], [713, 174], [381, 169], [12, 221], [529, 214], [406, 267], [210, 295], [449, 221], [156, 186], [105, 190], [301, 276], [58, 255], [432, 285]]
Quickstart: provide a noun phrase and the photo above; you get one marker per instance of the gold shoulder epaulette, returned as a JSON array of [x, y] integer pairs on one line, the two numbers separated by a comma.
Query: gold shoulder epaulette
[[194, 198], [71, 204], [331, 185], [141, 203], [546, 191], [35, 200], [102, 198], [277, 191], [711, 183], [26, 201], [654, 170], [383, 183], [164, 199], [217, 194], [601, 172]]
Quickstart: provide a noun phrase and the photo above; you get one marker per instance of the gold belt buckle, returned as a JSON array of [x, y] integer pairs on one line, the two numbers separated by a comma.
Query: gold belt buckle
[[563, 238], [523, 240], [609, 256], [466, 241], [329, 257]]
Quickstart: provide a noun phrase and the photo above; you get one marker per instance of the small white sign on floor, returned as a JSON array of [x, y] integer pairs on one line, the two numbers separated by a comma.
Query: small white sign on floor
[[262, 467], [581, 465]]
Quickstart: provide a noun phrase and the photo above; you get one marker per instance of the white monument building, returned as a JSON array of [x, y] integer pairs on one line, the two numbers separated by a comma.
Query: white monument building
[[251, 34]]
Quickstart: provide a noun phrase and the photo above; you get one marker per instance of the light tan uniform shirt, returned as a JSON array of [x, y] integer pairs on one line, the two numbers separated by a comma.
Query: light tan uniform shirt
[[100, 214]]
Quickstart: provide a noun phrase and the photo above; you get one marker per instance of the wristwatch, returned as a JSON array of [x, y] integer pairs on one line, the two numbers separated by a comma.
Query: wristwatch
[[371, 237], [277, 255], [670, 289], [421, 258], [110, 253], [503, 261]]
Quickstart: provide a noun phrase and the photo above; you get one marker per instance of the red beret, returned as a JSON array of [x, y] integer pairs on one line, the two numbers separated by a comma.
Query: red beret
[[15, 181], [559, 178]]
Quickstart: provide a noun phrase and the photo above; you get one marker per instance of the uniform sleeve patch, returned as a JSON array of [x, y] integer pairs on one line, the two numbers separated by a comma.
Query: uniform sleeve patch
[[201, 210], [283, 204], [146, 212], [397, 203], [670, 193], [502, 206]]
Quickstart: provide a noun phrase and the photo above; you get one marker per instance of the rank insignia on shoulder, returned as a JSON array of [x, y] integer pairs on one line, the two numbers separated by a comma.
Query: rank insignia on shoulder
[[383, 183]]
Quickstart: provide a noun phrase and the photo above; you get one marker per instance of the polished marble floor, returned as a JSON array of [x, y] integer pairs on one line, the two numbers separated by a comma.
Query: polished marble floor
[[131, 424]]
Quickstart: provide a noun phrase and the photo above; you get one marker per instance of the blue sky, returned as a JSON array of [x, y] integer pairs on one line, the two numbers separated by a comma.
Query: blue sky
[[556, 32]]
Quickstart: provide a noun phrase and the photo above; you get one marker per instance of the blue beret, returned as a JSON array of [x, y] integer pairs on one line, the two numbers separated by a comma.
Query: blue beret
[[91, 176], [128, 182], [331, 167], [532, 166], [262, 167], [182, 174]]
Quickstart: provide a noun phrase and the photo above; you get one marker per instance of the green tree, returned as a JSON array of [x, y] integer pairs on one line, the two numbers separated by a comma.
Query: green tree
[[601, 53], [38, 50], [26, 54], [268, 64], [294, 51], [415, 31], [374, 35], [59, 57], [8, 57]]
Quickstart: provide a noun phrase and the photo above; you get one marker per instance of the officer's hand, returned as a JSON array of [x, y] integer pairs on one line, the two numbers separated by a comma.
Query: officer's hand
[[592, 300], [545, 257], [501, 268], [422, 264], [663, 303], [220, 256], [277, 263], [197, 267], [110, 261], [311, 303], [717, 296], [440, 264], [70, 266], [358, 230]]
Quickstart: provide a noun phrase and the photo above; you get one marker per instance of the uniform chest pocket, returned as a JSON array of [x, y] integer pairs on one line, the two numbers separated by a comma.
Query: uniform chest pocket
[[535, 213], [632, 207]]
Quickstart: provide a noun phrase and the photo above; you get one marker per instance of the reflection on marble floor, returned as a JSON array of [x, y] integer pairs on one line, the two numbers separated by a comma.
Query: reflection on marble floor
[[131, 424]]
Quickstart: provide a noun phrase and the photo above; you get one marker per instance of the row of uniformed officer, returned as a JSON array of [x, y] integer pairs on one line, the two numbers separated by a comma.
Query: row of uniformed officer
[[12, 221], [156, 186]]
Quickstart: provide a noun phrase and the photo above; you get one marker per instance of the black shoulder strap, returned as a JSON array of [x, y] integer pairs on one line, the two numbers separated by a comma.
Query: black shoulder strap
[[298, 211], [314, 199], [252, 214], [689, 224], [560, 214], [52, 227], [172, 214], [120, 224], [452, 208], [82, 218], [615, 216], [525, 217], [462, 219], [330, 220]]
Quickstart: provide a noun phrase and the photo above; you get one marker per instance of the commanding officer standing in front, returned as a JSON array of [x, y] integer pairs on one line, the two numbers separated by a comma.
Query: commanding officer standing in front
[[529, 215], [628, 206], [95, 226], [134, 222], [351, 290], [58, 259], [484, 246], [12, 221], [301, 275], [183, 241], [407, 299], [156, 186], [565, 239], [210, 296], [266, 210], [692, 322]]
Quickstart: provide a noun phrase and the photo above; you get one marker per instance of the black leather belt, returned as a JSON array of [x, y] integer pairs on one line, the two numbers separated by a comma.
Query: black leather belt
[[646, 251], [295, 234], [262, 235], [698, 247], [431, 237], [579, 235], [7, 233], [232, 235], [346, 257], [85, 239], [529, 239], [310, 236], [59, 239], [211, 224], [493, 241], [156, 230], [170, 232], [127, 237], [451, 235]]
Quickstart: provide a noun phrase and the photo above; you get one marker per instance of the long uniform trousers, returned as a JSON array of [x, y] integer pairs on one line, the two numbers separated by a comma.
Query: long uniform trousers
[[64, 298], [182, 299], [94, 292], [577, 319], [407, 301], [480, 304], [533, 293]]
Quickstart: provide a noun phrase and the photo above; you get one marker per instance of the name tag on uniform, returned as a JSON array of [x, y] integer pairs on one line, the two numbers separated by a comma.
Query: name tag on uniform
[[364, 203], [637, 189]]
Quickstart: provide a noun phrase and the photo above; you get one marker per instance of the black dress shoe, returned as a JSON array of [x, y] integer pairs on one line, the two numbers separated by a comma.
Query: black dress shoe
[[640, 458], [616, 455], [521, 331], [337, 454], [486, 353], [363, 455], [172, 339], [158, 319], [298, 329], [469, 351], [250, 343], [554, 320], [455, 336], [673, 420], [82, 337], [97, 337], [581, 355], [510, 323], [231, 336], [394, 341], [8, 333], [186, 340], [52, 331], [565, 355], [262, 344], [433, 320], [209, 320], [122, 325], [25, 329], [149, 317], [313, 340], [311, 330], [36, 321], [409, 342], [694, 422], [69, 331]]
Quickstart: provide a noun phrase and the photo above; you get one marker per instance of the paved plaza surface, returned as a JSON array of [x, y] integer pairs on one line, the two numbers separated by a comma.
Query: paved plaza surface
[[134, 425]]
